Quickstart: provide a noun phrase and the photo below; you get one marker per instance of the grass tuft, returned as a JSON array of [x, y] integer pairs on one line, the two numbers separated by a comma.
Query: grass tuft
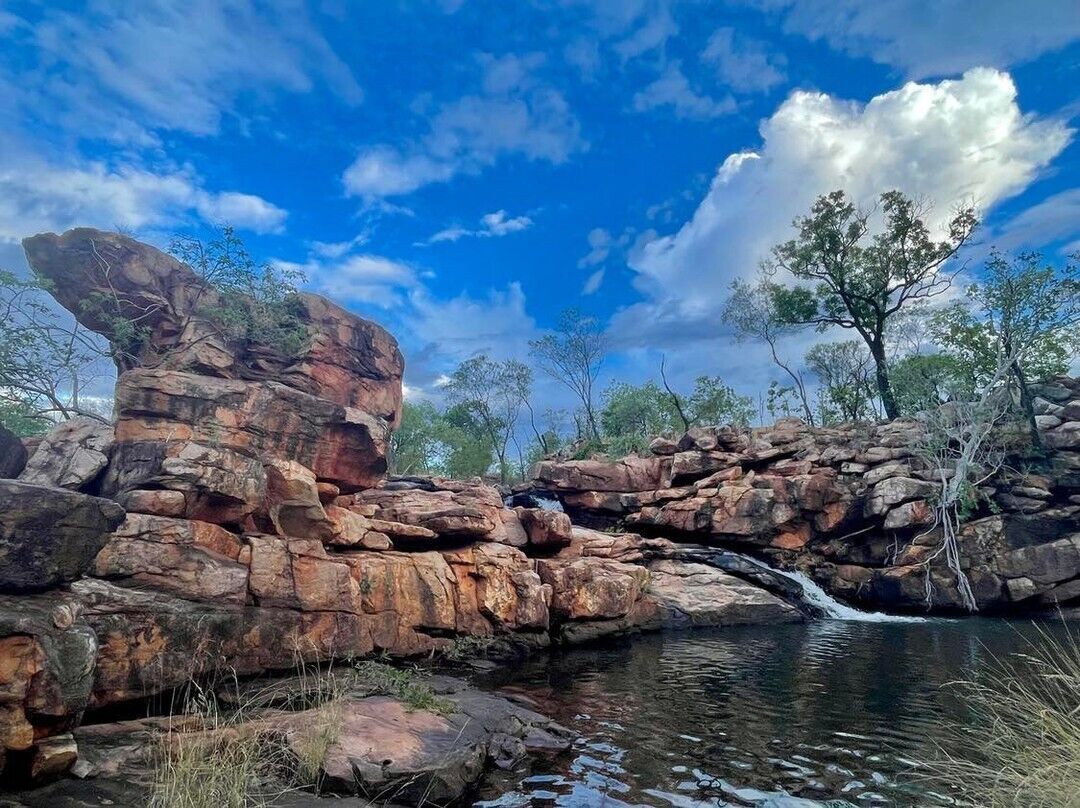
[[1023, 749]]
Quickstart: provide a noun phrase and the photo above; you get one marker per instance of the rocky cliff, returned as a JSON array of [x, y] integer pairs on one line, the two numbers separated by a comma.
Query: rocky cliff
[[236, 517], [851, 507]]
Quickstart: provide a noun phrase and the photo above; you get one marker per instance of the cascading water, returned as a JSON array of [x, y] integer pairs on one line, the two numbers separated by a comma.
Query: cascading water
[[833, 609], [801, 586]]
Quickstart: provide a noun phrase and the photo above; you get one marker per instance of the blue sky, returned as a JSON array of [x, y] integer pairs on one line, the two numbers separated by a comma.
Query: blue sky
[[461, 170]]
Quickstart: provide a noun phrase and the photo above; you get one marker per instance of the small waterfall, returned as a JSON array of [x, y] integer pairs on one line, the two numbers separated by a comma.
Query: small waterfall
[[833, 609], [797, 585]]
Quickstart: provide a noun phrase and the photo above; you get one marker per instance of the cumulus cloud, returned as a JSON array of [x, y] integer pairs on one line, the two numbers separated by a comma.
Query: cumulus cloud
[[122, 70], [672, 89], [514, 113], [36, 196], [743, 63], [934, 39], [952, 141], [492, 225]]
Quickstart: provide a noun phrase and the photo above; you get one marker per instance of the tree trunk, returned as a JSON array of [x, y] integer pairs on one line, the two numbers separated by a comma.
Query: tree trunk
[[881, 375], [1028, 407]]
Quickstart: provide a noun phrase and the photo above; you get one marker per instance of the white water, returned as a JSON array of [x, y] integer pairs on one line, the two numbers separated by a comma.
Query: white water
[[834, 609]]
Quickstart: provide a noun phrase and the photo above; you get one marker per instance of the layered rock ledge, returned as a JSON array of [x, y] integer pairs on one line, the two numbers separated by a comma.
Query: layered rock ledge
[[237, 517], [851, 506]]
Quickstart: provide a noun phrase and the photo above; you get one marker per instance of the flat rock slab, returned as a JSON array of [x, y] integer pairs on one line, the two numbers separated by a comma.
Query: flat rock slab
[[388, 752]]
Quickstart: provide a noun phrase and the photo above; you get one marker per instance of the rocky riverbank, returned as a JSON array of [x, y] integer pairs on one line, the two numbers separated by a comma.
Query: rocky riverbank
[[851, 506], [236, 517]]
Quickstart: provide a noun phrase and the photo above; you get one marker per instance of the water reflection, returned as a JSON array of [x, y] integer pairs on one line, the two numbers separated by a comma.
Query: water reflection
[[827, 713]]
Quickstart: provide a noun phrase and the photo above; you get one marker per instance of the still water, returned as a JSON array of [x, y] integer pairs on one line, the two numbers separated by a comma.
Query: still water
[[828, 713]]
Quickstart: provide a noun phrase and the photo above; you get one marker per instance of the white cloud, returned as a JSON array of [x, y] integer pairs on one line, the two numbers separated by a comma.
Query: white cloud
[[1055, 219], [515, 113], [121, 70], [360, 279], [657, 27], [743, 63], [592, 283], [599, 247], [672, 89], [945, 142], [941, 38], [36, 196], [492, 225]]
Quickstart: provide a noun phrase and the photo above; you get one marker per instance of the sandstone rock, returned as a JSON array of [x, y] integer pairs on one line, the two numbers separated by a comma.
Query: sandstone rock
[[547, 530], [150, 642], [45, 676], [627, 475], [49, 536], [1066, 436], [663, 446], [423, 758], [698, 595], [293, 505], [194, 560], [909, 514], [72, 455], [12, 454], [158, 502], [348, 360], [590, 588], [211, 438], [469, 513], [1044, 563], [893, 491], [53, 756], [686, 466]]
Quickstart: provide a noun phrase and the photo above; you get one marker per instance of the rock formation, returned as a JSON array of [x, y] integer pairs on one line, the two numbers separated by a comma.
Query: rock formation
[[851, 506], [236, 517]]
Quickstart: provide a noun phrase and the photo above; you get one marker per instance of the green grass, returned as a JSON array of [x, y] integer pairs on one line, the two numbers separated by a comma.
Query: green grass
[[380, 679], [1023, 748]]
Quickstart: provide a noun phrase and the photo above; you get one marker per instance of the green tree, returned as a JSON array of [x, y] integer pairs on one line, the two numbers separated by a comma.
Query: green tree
[[1025, 312], [923, 382], [416, 447], [573, 356], [466, 448], [858, 280], [846, 372], [713, 403], [494, 394], [251, 301], [635, 414]]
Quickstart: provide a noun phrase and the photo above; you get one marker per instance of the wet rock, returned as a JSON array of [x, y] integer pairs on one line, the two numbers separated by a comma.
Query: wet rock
[[72, 455], [49, 536]]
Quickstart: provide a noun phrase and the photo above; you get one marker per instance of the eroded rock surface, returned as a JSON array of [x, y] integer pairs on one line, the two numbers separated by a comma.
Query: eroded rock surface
[[851, 505]]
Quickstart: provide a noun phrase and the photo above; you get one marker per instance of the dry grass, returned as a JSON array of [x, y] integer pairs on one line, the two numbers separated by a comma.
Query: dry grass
[[222, 765], [1023, 749], [226, 749]]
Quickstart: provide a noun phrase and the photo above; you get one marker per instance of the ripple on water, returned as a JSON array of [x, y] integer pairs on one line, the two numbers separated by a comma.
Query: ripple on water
[[823, 714]]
